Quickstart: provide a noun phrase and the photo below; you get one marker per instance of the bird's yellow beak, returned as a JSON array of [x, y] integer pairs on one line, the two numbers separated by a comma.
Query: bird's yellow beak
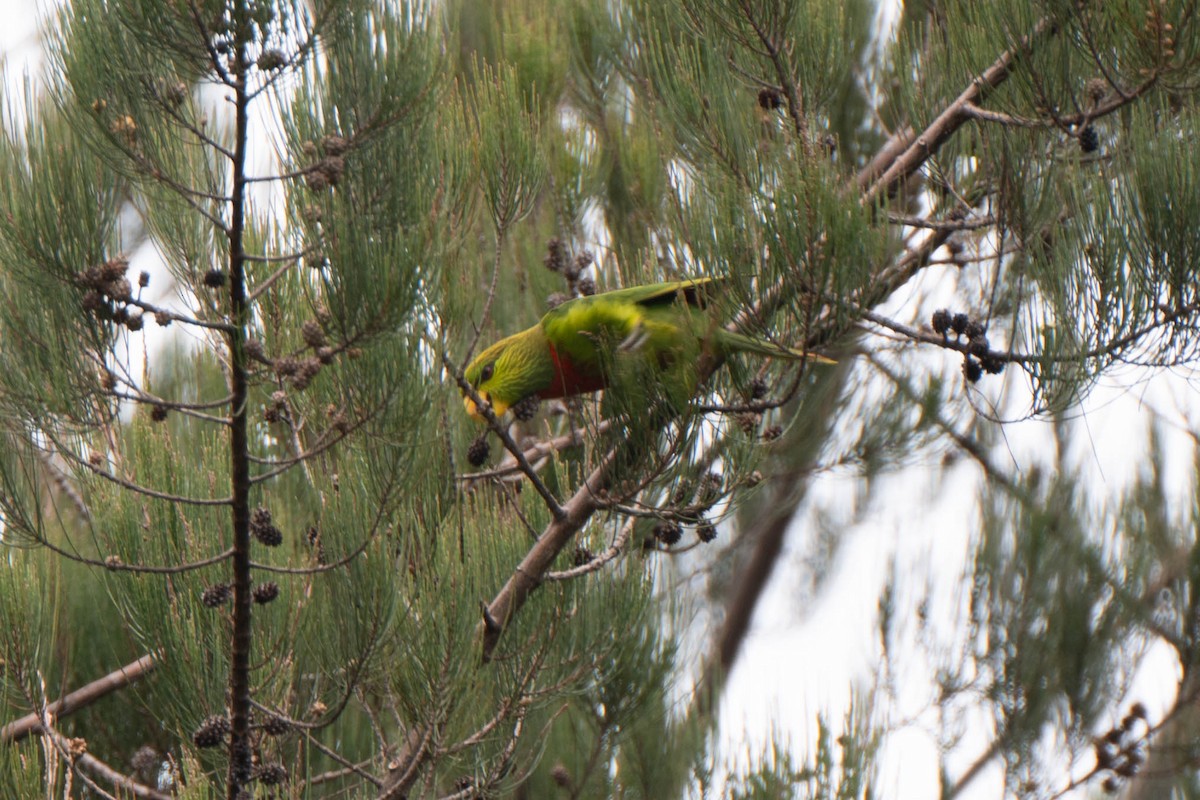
[[472, 409], [498, 408]]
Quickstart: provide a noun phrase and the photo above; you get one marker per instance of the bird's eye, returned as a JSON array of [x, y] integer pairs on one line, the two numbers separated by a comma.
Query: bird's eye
[[486, 374]]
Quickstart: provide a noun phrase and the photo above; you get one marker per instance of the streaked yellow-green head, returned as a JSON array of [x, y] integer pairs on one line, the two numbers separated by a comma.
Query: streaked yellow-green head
[[509, 371]]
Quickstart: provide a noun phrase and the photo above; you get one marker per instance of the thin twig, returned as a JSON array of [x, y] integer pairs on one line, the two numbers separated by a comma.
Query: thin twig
[[144, 490], [536, 453], [288, 263], [175, 316], [556, 509], [1111, 348], [334, 774], [350, 766], [596, 562], [491, 296], [968, 445], [114, 564], [148, 399]]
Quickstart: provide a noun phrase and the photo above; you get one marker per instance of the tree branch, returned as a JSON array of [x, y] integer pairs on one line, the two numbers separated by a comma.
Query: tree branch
[[114, 681], [528, 574], [145, 490], [904, 163], [239, 772], [535, 453], [502, 432], [70, 750], [597, 561]]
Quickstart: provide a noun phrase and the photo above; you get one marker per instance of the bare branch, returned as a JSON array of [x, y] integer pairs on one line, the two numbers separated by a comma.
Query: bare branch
[[535, 453], [70, 750], [596, 562], [334, 774], [93, 764], [925, 144], [528, 574], [1111, 348], [81, 698], [175, 316], [943, 225]]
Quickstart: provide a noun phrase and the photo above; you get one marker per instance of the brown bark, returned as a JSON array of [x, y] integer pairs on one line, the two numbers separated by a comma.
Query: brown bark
[[118, 679]]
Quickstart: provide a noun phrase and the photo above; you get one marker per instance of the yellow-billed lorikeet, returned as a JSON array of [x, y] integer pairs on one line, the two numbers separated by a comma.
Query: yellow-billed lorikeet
[[656, 332]]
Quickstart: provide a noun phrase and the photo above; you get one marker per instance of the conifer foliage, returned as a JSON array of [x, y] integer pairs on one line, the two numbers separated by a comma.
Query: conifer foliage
[[252, 547]]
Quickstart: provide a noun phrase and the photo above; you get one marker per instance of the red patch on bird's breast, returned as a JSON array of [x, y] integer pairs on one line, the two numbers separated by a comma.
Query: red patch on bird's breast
[[568, 380]]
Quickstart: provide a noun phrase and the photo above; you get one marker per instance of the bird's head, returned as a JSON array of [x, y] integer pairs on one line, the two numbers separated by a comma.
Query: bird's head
[[503, 374]]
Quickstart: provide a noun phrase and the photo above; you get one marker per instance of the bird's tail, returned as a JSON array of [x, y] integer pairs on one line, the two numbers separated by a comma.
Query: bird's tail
[[739, 342]]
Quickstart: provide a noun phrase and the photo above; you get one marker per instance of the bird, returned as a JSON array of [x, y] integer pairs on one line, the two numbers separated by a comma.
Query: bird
[[640, 339]]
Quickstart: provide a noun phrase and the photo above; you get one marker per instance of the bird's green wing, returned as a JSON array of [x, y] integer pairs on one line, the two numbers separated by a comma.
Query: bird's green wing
[[695, 292], [585, 327]]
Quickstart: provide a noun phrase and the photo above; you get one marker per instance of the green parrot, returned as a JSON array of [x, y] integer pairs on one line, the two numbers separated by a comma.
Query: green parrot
[[628, 337]]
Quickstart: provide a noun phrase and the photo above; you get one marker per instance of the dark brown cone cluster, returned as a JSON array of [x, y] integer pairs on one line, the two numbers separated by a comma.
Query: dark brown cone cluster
[[770, 98], [980, 357], [668, 533], [559, 260], [264, 593], [211, 732], [306, 370], [216, 595], [556, 255], [326, 173], [313, 334], [527, 409], [1121, 752], [275, 726], [263, 529], [108, 293], [1089, 141], [271, 774], [478, 452]]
